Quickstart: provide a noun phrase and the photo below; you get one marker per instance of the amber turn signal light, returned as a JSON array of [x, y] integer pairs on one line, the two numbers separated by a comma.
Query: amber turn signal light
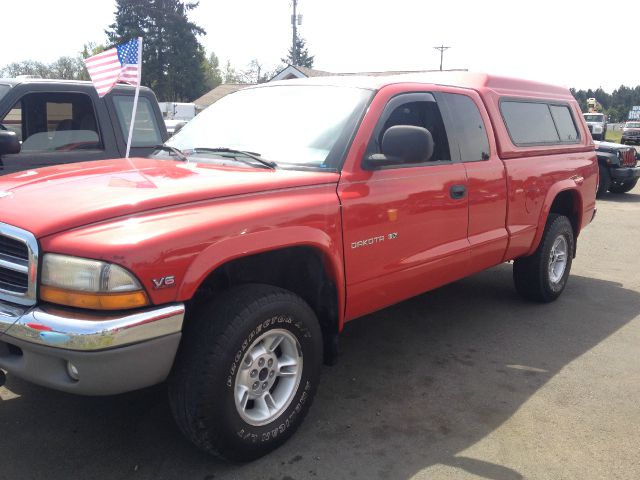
[[94, 301]]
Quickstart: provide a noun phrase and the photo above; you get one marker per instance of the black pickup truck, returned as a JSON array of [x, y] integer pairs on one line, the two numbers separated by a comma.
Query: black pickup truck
[[618, 166], [48, 122]]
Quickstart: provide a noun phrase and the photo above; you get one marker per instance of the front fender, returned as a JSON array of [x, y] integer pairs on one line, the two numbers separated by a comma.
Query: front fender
[[232, 248], [607, 159]]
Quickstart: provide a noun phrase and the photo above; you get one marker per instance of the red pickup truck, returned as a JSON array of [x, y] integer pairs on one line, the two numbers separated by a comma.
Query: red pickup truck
[[228, 262]]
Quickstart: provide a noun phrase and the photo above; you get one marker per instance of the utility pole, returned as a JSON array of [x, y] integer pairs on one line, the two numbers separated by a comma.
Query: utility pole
[[442, 48], [294, 22]]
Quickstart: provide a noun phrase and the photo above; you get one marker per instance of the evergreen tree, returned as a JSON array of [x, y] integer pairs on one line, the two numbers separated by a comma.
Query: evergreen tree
[[301, 57], [229, 74], [173, 59], [212, 73]]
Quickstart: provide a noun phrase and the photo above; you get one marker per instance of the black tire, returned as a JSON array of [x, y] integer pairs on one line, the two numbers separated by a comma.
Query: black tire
[[531, 274], [604, 182], [214, 344], [623, 187]]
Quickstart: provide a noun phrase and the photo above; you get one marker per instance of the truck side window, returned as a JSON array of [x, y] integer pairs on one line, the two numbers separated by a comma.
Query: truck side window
[[13, 120], [424, 114], [529, 123], [50, 122], [469, 128], [564, 123], [145, 129]]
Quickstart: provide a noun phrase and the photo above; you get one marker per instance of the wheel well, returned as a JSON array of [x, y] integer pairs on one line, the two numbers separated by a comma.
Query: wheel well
[[567, 203], [301, 270]]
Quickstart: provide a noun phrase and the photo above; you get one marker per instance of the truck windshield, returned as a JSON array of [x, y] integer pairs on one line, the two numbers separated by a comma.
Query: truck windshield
[[633, 125], [295, 126], [594, 118]]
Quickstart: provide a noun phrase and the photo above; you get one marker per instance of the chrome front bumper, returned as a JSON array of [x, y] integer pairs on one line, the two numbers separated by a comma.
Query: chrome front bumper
[[110, 353], [63, 328]]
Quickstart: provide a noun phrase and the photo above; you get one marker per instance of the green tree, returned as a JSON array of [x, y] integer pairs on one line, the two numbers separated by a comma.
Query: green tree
[[615, 105], [91, 48], [301, 57], [229, 74], [212, 73], [64, 68], [256, 73], [172, 56]]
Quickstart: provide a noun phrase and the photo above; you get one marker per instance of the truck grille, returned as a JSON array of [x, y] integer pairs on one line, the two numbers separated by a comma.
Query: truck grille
[[18, 265], [629, 158]]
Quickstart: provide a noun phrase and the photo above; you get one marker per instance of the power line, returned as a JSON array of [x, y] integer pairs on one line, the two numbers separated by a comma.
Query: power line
[[442, 48]]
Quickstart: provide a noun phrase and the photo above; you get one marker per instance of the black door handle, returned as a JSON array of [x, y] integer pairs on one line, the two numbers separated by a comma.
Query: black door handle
[[457, 191]]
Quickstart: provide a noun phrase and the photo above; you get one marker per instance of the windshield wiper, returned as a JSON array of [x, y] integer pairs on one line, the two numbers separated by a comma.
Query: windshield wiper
[[238, 154], [173, 150]]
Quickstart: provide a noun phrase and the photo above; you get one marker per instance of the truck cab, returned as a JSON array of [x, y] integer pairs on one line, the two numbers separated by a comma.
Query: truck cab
[[59, 121]]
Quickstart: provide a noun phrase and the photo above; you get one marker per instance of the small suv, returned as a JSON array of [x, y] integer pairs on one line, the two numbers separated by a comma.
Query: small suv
[[631, 133]]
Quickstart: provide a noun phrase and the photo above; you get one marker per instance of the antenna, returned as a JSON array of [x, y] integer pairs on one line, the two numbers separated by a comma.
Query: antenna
[[441, 48], [294, 24]]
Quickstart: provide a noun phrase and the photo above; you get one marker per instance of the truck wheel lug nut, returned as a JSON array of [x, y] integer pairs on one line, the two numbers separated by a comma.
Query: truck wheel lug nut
[[270, 363], [261, 362], [271, 373], [253, 373], [256, 385], [264, 385]]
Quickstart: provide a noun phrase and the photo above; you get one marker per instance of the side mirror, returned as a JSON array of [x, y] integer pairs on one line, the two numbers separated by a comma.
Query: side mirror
[[403, 144], [9, 142]]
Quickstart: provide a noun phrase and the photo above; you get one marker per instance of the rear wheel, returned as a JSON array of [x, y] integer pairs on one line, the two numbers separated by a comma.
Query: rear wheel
[[246, 372], [623, 186], [543, 276]]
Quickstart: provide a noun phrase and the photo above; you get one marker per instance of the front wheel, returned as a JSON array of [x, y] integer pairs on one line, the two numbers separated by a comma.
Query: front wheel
[[543, 276], [247, 371], [604, 181], [623, 186]]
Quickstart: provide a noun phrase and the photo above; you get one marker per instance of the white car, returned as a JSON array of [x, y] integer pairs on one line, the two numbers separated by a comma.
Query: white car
[[174, 126]]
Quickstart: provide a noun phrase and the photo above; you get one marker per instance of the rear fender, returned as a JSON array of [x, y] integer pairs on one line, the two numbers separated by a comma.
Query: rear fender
[[571, 185]]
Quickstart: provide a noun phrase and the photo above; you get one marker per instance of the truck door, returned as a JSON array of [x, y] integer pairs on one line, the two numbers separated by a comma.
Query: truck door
[[486, 177], [405, 225], [54, 128]]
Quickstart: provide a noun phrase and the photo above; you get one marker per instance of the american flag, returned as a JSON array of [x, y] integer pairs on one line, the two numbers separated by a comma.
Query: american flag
[[122, 63]]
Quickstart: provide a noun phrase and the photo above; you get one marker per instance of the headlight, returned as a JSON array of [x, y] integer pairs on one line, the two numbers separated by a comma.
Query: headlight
[[84, 283]]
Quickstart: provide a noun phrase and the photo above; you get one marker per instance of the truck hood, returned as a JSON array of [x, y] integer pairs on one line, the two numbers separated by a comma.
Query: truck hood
[[54, 199]]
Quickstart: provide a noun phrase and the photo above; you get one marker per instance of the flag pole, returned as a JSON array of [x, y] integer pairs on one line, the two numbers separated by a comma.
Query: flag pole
[[135, 97]]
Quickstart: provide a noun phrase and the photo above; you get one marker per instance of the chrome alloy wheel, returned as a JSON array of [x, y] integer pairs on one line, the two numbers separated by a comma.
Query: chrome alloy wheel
[[558, 259], [268, 377]]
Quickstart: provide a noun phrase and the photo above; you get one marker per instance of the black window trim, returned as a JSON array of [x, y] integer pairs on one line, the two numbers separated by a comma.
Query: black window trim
[[548, 103], [393, 103], [94, 106]]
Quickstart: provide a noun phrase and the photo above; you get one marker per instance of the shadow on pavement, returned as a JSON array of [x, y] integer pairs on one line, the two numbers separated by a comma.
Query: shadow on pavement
[[629, 197], [416, 384]]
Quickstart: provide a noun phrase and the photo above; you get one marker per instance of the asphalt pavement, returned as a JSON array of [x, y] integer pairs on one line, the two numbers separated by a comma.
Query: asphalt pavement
[[465, 382]]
